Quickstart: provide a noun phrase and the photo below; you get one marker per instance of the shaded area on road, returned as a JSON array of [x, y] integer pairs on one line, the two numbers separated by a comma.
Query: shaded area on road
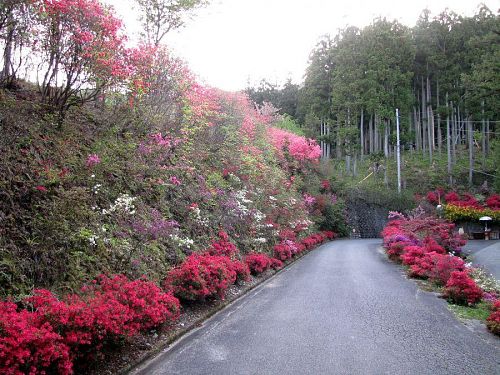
[[342, 309]]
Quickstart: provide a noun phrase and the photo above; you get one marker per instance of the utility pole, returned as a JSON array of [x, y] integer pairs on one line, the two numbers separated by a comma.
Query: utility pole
[[398, 151]]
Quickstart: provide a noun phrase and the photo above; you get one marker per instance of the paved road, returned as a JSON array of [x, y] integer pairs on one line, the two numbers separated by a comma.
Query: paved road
[[485, 254], [342, 309]]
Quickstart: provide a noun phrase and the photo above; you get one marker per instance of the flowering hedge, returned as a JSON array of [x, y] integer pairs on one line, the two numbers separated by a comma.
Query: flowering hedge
[[258, 263], [493, 321], [455, 213], [465, 206], [53, 333], [462, 290], [201, 276], [423, 245], [428, 247]]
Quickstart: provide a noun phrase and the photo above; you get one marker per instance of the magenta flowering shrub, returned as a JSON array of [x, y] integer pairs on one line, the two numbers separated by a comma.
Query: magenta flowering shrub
[[55, 333], [223, 247], [92, 160], [201, 276], [436, 267], [276, 264], [29, 347], [493, 321], [299, 148], [462, 290], [258, 263], [284, 250], [422, 244]]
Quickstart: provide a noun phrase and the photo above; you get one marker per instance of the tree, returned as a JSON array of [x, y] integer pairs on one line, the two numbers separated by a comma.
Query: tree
[[159, 17], [284, 97], [15, 19], [81, 51]]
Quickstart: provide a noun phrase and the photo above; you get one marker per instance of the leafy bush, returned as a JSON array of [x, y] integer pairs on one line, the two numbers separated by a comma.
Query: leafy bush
[[333, 219], [201, 276], [258, 263], [276, 264], [223, 247], [493, 321], [26, 346], [461, 289], [54, 333], [437, 267]]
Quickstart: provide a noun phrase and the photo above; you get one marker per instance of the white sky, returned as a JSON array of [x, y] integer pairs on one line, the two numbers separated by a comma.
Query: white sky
[[232, 42]]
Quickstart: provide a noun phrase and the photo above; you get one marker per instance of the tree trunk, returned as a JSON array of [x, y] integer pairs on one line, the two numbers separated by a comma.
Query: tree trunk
[[439, 133], [483, 135], [370, 135], [338, 148], [430, 125], [448, 142], [362, 134], [471, 150], [6, 73], [454, 134], [328, 144], [386, 139], [487, 137]]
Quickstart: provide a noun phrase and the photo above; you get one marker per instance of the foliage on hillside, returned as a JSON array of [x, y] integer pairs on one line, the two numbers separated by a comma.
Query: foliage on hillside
[[120, 162]]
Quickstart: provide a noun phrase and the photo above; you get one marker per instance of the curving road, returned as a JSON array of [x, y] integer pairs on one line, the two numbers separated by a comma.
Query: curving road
[[342, 309]]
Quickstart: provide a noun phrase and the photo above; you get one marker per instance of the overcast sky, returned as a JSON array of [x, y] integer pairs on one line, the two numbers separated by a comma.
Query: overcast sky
[[232, 42]]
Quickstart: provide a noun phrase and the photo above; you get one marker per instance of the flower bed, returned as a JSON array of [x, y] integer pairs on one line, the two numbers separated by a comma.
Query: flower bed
[[50, 334], [465, 207], [429, 247], [46, 334]]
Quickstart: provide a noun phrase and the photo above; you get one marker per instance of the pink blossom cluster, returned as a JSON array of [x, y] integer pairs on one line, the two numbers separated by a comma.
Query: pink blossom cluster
[[92, 160], [300, 148]]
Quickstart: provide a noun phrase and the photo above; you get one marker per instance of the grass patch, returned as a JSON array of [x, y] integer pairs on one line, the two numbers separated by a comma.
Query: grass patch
[[480, 312]]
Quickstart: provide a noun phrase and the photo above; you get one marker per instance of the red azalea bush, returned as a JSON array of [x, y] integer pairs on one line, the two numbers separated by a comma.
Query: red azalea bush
[[26, 346], [493, 321], [421, 244], [282, 251], [329, 234], [223, 247], [148, 306], [313, 240], [396, 249], [108, 309], [436, 267], [258, 263], [57, 332], [411, 254], [442, 266], [462, 290], [493, 201], [465, 200], [201, 276], [276, 264], [241, 269]]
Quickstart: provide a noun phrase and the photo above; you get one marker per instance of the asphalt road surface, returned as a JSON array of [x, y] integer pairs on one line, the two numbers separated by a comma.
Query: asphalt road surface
[[342, 309]]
